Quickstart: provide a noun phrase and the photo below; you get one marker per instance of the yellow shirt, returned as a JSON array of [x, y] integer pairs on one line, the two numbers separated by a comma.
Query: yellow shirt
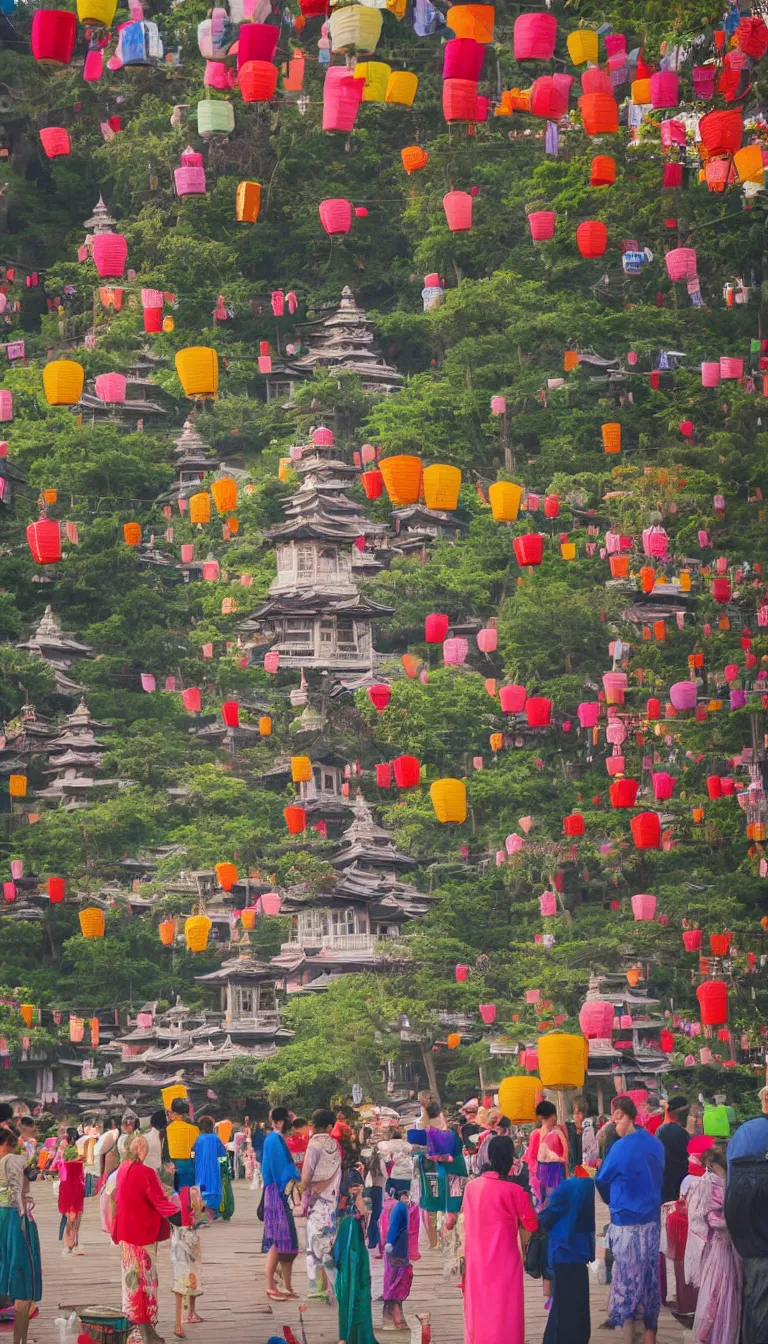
[[181, 1139]]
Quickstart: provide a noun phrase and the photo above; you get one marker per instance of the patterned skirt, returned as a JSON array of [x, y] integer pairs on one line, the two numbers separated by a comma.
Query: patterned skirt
[[139, 1281], [279, 1227], [20, 1272], [635, 1290], [398, 1277]]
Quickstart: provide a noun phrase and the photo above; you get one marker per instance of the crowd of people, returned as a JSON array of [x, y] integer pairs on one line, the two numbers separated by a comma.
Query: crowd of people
[[687, 1222]]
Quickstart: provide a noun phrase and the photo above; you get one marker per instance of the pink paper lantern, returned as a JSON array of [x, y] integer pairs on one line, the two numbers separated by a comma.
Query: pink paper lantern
[[455, 650], [487, 640], [643, 907], [488, 1012], [547, 904]]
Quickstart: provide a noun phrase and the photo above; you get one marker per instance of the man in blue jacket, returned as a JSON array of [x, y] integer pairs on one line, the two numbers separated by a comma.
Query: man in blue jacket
[[630, 1182]]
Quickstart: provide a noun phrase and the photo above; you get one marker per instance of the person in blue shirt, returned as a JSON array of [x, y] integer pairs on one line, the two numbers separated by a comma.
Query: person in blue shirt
[[630, 1182], [280, 1242], [398, 1271], [569, 1219], [751, 1138]]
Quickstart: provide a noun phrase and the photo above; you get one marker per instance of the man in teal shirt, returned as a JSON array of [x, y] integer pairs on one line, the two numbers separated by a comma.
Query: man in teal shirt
[[751, 1138]]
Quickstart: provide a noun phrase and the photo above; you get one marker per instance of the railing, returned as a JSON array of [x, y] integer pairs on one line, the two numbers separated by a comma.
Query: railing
[[262, 1018], [308, 651], [335, 942]]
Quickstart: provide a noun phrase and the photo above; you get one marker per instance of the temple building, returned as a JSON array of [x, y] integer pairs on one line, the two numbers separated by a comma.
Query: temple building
[[632, 1056], [315, 616], [23, 739], [75, 758], [50, 643], [326, 796], [349, 928], [417, 527], [194, 460], [344, 342]]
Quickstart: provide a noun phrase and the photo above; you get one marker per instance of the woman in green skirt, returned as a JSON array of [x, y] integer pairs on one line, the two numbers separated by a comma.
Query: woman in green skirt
[[353, 1271], [20, 1271]]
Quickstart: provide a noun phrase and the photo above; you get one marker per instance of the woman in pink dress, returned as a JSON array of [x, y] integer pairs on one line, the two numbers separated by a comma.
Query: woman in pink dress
[[495, 1209], [718, 1310]]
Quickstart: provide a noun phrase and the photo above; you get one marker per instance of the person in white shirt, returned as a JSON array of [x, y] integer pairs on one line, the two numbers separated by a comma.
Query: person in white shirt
[[107, 1141], [155, 1136], [397, 1150]]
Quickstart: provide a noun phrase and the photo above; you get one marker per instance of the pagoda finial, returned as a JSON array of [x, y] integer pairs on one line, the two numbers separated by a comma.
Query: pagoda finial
[[101, 221]]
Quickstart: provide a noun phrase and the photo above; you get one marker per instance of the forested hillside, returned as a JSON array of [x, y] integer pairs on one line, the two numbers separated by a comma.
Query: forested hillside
[[618, 380]]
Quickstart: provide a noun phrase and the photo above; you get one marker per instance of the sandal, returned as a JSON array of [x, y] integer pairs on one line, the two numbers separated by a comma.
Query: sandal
[[275, 1295]]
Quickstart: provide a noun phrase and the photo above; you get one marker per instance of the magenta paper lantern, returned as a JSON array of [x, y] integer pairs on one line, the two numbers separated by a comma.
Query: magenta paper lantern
[[461, 972], [596, 1019], [683, 694], [664, 89], [710, 373], [655, 542], [534, 37], [488, 1012], [681, 263], [336, 213], [499, 405], [458, 210], [542, 225], [547, 904], [9, 892], [270, 903], [512, 699], [110, 253], [147, 682], [110, 387], [192, 699], [589, 713], [187, 553], [663, 785], [272, 659], [342, 95]]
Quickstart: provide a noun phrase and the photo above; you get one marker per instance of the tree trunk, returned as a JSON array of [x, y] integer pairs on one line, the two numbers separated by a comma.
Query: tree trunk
[[429, 1069]]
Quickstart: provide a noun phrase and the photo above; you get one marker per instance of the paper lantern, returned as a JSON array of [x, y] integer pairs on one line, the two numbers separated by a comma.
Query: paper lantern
[[664, 88], [110, 387], [692, 939], [721, 591], [214, 118], [529, 548], [132, 533], [53, 36], [191, 699], [248, 917], [534, 37], [549, 96], [673, 176], [562, 1060], [721, 132], [373, 482], [603, 171], [295, 819], [614, 685], [355, 26], [196, 931], [611, 437], [230, 713], [619, 566], [596, 1019], [748, 161], [461, 972], [583, 46], [407, 771], [436, 627], [592, 238], [644, 907], [375, 77], [475, 21], [599, 112], [547, 904], [542, 225], [270, 903], [56, 889], [719, 944], [198, 370], [402, 87], [713, 1002], [189, 180], [595, 80], [413, 158], [453, 1040], [641, 92], [301, 769], [44, 541], [110, 253], [512, 699], [62, 379], [573, 825], [623, 792], [153, 319], [17, 786], [449, 799], [455, 651], [167, 931], [496, 741], [265, 726], [92, 922], [487, 1012], [226, 875], [383, 775], [224, 494], [257, 81], [538, 711], [487, 640], [646, 830], [402, 479], [256, 42], [731, 367], [55, 141], [200, 507], [441, 485], [458, 211], [663, 785], [588, 713], [504, 498], [379, 695], [683, 694], [342, 95], [752, 36], [460, 99], [248, 202]]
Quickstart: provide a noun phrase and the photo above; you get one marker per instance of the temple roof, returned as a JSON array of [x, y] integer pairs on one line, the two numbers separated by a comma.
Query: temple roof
[[363, 839], [243, 967], [316, 602], [50, 636]]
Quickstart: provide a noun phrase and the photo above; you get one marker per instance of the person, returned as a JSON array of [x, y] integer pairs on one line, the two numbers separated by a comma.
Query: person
[[21, 1278], [396, 1152], [28, 1133], [320, 1186], [590, 1153], [143, 1214], [575, 1131], [547, 1152], [751, 1138], [279, 1242], [106, 1145], [181, 1136], [606, 1137], [297, 1141], [491, 1121], [674, 1138], [746, 1216], [128, 1127], [469, 1126], [655, 1114], [186, 1259], [568, 1216], [398, 1270], [718, 1310], [376, 1180], [71, 1200], [495, 1209], [208, 1153], [345, 1134], [630, 1181], [155, 1136], [353, 1270]]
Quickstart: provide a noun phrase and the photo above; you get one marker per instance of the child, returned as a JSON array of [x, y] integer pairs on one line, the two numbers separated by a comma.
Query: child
[[398, 1271], [186, 1258]]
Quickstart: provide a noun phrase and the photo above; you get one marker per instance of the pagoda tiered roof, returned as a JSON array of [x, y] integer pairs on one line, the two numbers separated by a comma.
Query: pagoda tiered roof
[[59, 649]]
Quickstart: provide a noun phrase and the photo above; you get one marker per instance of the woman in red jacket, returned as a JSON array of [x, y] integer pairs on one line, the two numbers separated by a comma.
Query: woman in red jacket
[[142, 1215]]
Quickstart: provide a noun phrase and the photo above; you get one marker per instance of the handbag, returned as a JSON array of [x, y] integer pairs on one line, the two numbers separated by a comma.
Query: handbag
[[260, 1209], [535, 1255]]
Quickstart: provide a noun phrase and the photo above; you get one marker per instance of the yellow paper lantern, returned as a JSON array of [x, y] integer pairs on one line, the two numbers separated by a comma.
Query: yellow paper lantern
[[473, 21], [641, 92], [169, 323], [568, 550], [27, 1011], [196, 931], [583, 46], [175, 1092], [265, 726], [748, 163], [401, 88], [402, 479], [301, 769], [198, 370], [449, 799], [497, 741], [376, 75], [224, 492], [63, 382], [285, 469], [248, 202], [562, 1060], [248, 917], [92, 922], [200, 507], [131, 533], [504, 498], [518, 1098], [441, 484], [17, 786], [100, 13]]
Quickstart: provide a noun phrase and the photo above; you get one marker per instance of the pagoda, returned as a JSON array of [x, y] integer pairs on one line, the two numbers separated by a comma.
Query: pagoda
[[24, 738], [342, 343], [100, 222], [194, 460], [416, 527], [325, 797], [75, 757], [50, 643], [632, 1056], [315, 617], [347, 929]]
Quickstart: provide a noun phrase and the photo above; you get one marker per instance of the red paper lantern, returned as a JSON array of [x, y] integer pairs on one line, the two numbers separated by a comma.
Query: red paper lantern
[[538, 711], [713, 1001], [529, 549], [380, 695], [407, 770], [646, 830], [592, 238], [295, 819], [721, 132], [534, 37], [667, 1042], [372, 483], [56, 887], [53, 36], [384, 775], [714, 786], [653, 708], [512, 699], [461, 972], [257, 81], [192, 699], [623, 793], [230, 713], [44, 536], [692, 940], [436, 627], [574, 824], [719, 944], [721, 591], [55, 141]]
